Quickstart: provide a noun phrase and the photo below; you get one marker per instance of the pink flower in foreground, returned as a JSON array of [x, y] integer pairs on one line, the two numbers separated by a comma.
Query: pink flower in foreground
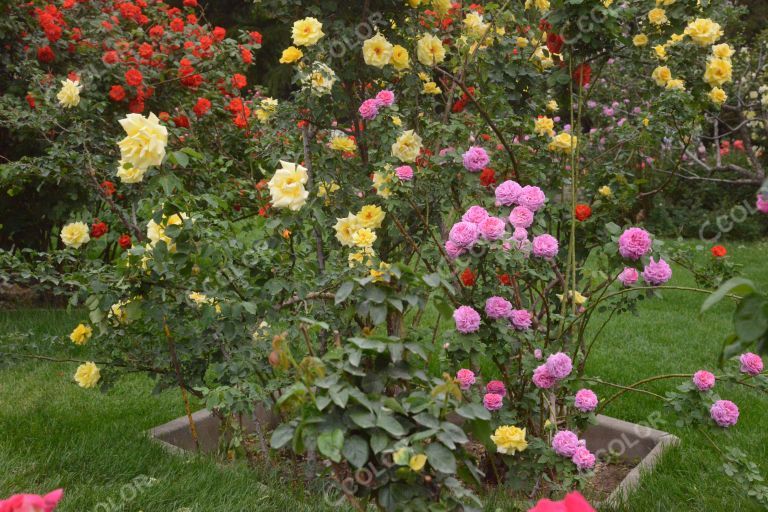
[[369, 109], [657, 273], [573, 502], [475, 159], [404, 172], [521, 319], [585, 400], [467, 319], [762, 203], [492, 228], [583, 458], [725, 413], [545, 246], [635, 243], [386, 98], [559, 365], [464, 234], [492, 401], [751, 364], [521, 217], [498, 307], [628, 276], [496, 387], [475, 214], [32, 502], [542, 378], [507, 193], [466, 378], [531, 197], [704, 380], [565, 443]]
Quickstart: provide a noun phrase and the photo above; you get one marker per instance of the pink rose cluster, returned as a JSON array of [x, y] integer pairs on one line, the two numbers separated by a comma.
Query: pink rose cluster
[[475, 159], [751, 364], [634, 243], [467, 319], [32, 502], [573, 502], [567, 444], [369, 109], [510, 193], [494, 395], [498, 308], [585, 400], [725, 413], [476, 223], [557, 367]]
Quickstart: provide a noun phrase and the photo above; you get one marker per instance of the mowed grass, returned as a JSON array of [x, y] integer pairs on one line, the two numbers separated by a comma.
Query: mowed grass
[[54, 434]]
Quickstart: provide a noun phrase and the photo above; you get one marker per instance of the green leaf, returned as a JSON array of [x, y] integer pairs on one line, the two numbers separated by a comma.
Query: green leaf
[[379, 441], [281, 436], [390, 424], [356, 451], [369, 344], [473, 411], [344, 291], [362, 418], [750, 320], [441, 458], [181, 158], [432, 280], [427, 420], [330, 442], [734, 286]]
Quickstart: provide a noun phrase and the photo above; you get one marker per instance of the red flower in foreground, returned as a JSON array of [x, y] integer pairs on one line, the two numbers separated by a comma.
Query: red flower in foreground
[[554, 42], [125, 241], [573, 502], [45, 54], [99, 229], [256, 37], [468, 277], [133, 77], [718, 251], [582, 212], [181, 121], [582, 74], [202, 106], [117, 93], [239, 81], [108, 187]]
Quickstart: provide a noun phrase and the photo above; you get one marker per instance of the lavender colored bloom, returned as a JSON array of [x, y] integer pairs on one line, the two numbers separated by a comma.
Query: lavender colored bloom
[[565, 443], [498, 307], [475, 214], [531, 197], [466, 378], [464, 234], [542, 378], [467, 319], [520, 234], [475, 159], [492, 228], [537, 353], [751, 364], [628, 276], [496, 387], [725, 413], [507, 193], [634, 243], [492, 401], [657, 273], [545, 246], [404, 172], [369, 109], [521, 217], [521, 319], [585, 400], [559, 365], [386, 98], [583, 458], [452, 250], [704, 380]]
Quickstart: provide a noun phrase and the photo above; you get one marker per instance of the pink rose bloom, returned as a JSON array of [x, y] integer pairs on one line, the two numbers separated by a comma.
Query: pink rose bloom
[[565, 443], [545, 246], [634, 243], [475, 159], [585, 400], [542, 378], [386, 98], [656, 274], [521, 217], [446, 151], [559, 365], [725, 413], [507, 193], [521, 319], [464, 234], [475, 215], [492, 401], [751, 363], [453, 251], [404, 172], [492, 228], [538, 354], [520, 234], [573, 502], [583, 458], [762, 203], [628, 276], [32, 502], [466, 378], [704, 380], [467, 319], [498, 307], [369, 109], [531, 197], [496, 387]]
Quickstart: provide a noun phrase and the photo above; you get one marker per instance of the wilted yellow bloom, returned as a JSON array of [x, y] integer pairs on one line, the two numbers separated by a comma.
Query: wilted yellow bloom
[[75, 234], [703, 31], [646, 122], [81, 334], [722, 51], [544, 125], [431, 88], [69, 95], [355, 258], [343, 143], [397, 121], [509, 439], [552, 105], [307, 32], [563, 142], [541, 5], [718, 72], [407, 146], [605, 191], [370, 216], [377, 51], [145, 140], [87, 375], [675, 84], [363, 237], [286, 187], [345, 228], [661, 75], [717, 95], [291, 55], [657, 16], [429, 50], [400, 59], [267, 108], [640, 40], [129, 174], [326, 189]]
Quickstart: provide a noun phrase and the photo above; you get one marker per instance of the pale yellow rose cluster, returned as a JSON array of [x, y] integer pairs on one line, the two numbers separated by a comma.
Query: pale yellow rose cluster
[[75, 234], [544, 125], [509, 439], [474, 25], [286, 187], [142, 147], [266, 109], [563, 142], [343, 143], [703, 31], [379, 52], [87, 375], [201, 299], [430, 50], [407, 147], [541, 5], [358, 231], [69, 94], [543, 58]]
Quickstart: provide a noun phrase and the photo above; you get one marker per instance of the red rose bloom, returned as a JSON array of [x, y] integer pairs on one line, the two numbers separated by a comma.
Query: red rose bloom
[[156, 32], [110, 57], [239, 81], [99, 229], [202, 106], [30, 100], [219, 33], [505, 279], [468, 277], [117, 93], [181, 121], [124, 241], [246, 55], [133, 77], [582, 74], [136, 106], [487, 177], [719, 251], [45, 54], [583, 212], [190, 3], [256, 37], [554, 42], [108, 187], [177, 25], [145, 50]]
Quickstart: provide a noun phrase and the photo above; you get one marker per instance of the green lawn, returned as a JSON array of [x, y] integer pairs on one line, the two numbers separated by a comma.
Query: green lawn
[[53, 434]]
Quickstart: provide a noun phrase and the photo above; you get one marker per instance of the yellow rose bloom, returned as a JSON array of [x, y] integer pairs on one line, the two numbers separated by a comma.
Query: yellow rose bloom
[[578, 298], [605, 191], [431, 88], [429, 50], [544, 125], [343, 143], [320, 79], [563, 142], [676, 84], [363, 237], [129, 174], [441, 6], [407, 147], [267, 108], [541, 5], [509, 439], [307, 32], [286, 187], [381, 182], [87, 375], [521, 42], [661, 51], [355, 258], [291, 55], [552, 105], [75, 234], [397, 121], [640, 40], [718, 72], [326, 189], [722, 51], [370, 216], [474, 26], [661, 75], [145, 140], [646, 122], [345, 228], [69, 95], [377, 51], [657, 16], [717, 95], [81, 334], [607, 3], [414, 3], [400, 59], [675, 38], [118, 312], [703, 31]]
